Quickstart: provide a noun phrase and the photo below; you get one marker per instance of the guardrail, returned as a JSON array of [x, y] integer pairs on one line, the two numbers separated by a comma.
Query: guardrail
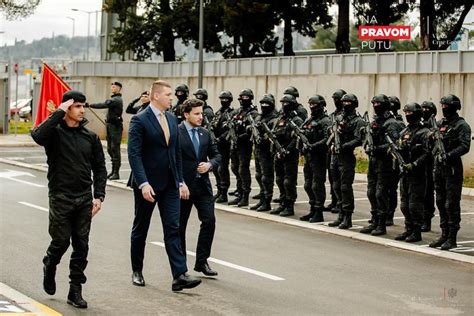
[[370, 63]]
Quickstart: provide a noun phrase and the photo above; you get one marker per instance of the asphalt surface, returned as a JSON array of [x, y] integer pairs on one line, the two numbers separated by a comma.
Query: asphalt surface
[[265, 267]]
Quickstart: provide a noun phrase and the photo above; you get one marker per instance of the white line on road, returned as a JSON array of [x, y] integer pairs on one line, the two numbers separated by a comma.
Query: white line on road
[[230, 265], [35, 206]]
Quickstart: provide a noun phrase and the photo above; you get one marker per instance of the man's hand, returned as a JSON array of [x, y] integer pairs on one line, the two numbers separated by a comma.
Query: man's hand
[[184, 192], [204, 167], [96, 205], [148, 193], [66, 105], [408, 166]]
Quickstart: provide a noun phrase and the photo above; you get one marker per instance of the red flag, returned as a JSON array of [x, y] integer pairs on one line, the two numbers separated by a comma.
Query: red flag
[[51, 93]]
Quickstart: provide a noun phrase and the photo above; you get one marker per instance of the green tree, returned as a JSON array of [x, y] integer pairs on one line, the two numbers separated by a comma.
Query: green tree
[[17, 9]]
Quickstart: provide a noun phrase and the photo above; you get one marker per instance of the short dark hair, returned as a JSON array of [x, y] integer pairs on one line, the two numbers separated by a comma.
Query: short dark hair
[[116, 83], [189, 104]]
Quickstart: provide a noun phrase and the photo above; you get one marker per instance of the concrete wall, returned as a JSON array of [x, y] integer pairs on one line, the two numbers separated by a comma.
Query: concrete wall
[[409, 87]]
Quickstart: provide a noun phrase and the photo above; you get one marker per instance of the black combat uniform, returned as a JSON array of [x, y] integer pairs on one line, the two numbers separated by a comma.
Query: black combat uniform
[[221, 130], [343, 160], [414, 149], [264, 153], [73, 153], [133, 108], [181, 92], [242, 146], [114, 130], [381, 165], [456, 136], [286, 165], [315, 154]]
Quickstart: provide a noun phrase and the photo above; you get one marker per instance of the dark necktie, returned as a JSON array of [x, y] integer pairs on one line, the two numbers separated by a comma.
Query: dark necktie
[[195, 142]]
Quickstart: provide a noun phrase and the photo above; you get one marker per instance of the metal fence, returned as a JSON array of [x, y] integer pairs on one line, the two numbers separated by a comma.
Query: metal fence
[[372, 63]]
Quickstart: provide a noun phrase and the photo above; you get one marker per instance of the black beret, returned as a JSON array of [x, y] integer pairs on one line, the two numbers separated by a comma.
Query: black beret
[[117, 84], [146, 93], [77, 96]]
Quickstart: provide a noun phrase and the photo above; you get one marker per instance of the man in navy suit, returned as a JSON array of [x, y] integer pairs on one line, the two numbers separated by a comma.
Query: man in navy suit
[[199, 157], [155, 158]]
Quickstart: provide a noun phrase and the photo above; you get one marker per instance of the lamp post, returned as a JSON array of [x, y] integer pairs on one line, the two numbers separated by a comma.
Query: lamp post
[[73, 25], [88, 26], [201, 43]]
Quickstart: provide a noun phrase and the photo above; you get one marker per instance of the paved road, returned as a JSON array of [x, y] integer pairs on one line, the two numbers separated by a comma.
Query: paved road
[[265, 267]]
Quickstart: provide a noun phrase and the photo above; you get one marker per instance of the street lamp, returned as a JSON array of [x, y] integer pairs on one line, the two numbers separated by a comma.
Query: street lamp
[[73, 25], [201, 43], [88, 26]]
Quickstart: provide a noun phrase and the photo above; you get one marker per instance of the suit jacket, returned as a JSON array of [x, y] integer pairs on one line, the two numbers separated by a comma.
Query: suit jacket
[[207, 153], [150, 158]]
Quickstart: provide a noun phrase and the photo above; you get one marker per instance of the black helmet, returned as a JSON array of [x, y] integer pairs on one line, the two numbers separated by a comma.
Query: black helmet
[[383, 100], [268, 98], [430, 105], [288, 98], [413, 107], [201, 91], [183, 88], [317, 99], [338, 94], [352, 98], [451, 99], [394, 103], [246, 92], [292, 90], [226, 94]]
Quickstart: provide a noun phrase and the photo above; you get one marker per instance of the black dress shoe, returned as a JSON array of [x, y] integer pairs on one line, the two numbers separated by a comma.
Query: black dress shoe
[[184, 281], [205, 269], [49, 282], [137, 278]]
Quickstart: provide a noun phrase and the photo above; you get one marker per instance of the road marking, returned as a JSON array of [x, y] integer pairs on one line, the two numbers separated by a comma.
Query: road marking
[[230, 265], [35, 206], [19, 303], [11, 174]]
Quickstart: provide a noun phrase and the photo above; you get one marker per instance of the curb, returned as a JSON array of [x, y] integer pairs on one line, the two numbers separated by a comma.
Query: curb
[[22, 301], [292, 222]]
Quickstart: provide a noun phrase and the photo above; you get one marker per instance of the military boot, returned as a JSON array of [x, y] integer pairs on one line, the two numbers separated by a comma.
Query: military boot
[[389, 219], [115, 172], [278, 200], [279, 209], [234, 193], [218, 194], [222, 198], [441, 240], [265, 205], [257, 196], [380, 229], [289, 210], [256, 206], [373, 224], [451, 242], [416, 235], [49, 282], [237, 199], [74, 297], [403, 236], [426, 227], [338, 221], [244, 201], [347, 221], [308, 216], [317, 216]]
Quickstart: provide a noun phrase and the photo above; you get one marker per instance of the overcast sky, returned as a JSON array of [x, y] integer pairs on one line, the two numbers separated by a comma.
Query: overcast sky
[[51, 17]]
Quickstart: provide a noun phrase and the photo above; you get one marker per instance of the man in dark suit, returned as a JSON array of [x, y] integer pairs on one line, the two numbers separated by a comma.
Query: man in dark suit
[[155, 158], [199, 157]]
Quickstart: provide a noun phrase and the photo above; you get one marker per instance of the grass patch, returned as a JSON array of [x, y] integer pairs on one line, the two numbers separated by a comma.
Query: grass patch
[[22, 127], [468, 182], [362, 166]]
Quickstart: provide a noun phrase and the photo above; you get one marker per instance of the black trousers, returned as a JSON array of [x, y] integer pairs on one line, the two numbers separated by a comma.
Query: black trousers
[[429, 205], [448, 185], [114, 138], [234, 166], [264, 171], [393, 191], [314, 178], [379, 179], [204, 204], [224, 176], [343, 173], [412, 193], [69, 223], [286, 176], [328, 166], [242, 165]]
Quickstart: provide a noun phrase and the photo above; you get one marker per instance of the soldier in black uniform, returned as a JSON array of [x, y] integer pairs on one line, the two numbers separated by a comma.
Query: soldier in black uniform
[[114, 127], [380, 172], [393, 191], [134, 108], [414, 149], [264, 156], [243, 146], [336, 96], [449, 171], [181, 92], [429, 109], [286, 165], [220, 128], [316, 130], [74, 153], [343, 160], [300, 109]]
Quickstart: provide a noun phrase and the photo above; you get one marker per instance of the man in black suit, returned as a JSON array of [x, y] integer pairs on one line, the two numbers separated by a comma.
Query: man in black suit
[[155, 158], [199, 157]]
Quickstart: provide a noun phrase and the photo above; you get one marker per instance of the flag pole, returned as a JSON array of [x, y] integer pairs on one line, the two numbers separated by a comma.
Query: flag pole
[[96, 115]]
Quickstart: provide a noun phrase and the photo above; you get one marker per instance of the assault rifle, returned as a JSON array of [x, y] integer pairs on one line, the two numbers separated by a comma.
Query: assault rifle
[[439, 151], [368, 143], [271, 137], [395, 151], [210, 128], [335, 137], [253, 128]]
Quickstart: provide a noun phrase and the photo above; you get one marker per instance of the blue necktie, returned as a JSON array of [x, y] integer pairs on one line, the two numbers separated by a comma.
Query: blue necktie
[[195, 142]]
